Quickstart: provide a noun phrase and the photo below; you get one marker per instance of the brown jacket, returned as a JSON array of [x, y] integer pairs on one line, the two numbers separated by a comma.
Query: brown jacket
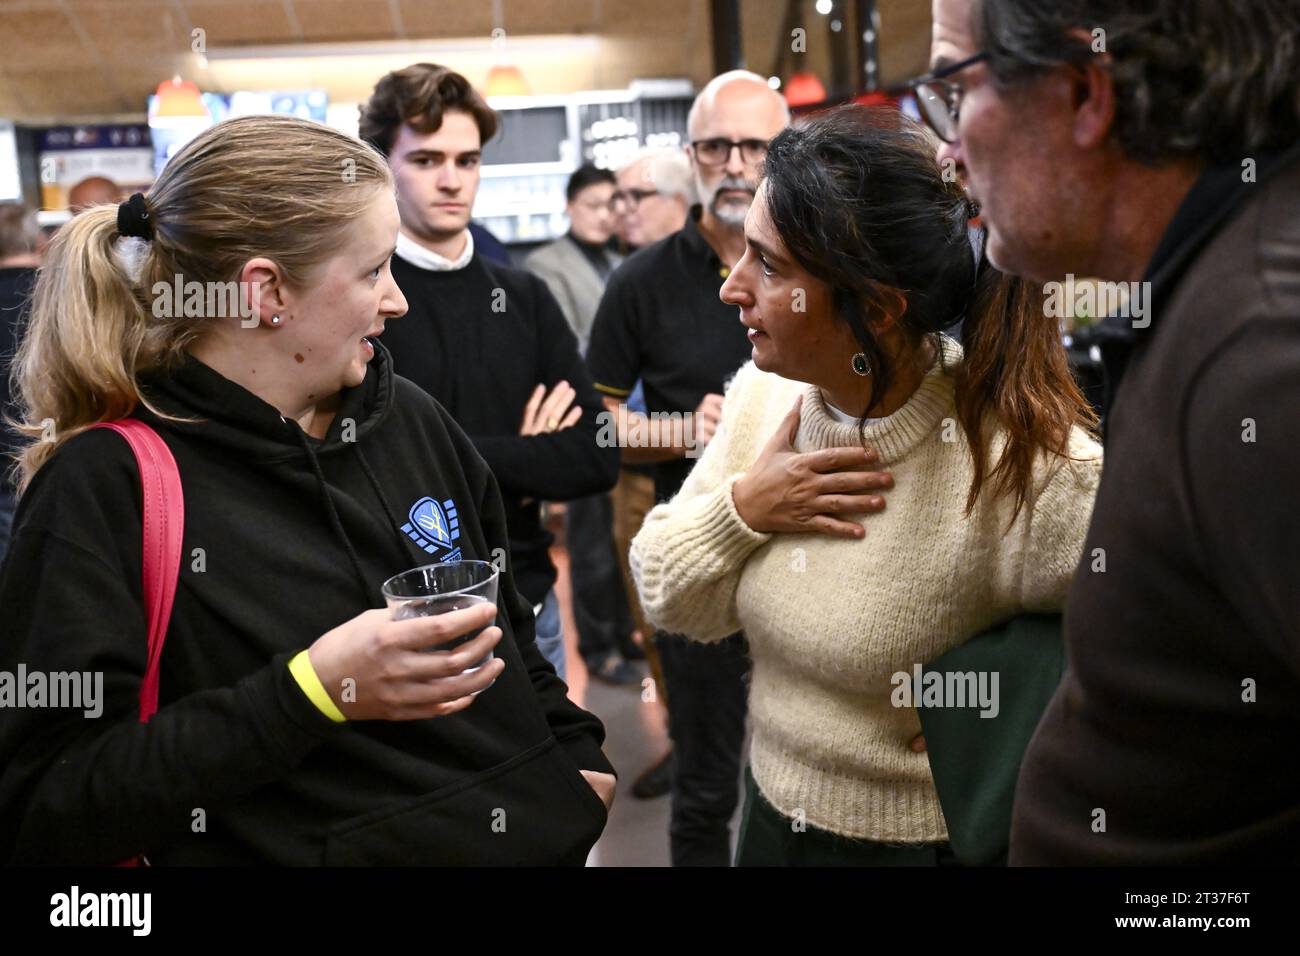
[[1172, 738]]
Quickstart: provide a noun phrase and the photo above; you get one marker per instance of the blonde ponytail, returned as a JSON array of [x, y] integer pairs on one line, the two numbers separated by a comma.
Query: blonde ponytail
[[79, 359], [272, 186]]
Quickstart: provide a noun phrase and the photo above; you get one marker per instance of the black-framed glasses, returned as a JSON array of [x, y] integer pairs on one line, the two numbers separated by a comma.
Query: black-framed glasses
[[940, 100], [631, 198], [716, 152]]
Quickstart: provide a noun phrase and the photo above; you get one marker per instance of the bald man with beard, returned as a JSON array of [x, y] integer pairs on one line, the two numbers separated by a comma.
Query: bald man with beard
[[661, 321]]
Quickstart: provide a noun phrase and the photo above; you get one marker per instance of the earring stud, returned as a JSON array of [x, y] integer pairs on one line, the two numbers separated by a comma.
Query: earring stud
[[275, 320], [860, 364]]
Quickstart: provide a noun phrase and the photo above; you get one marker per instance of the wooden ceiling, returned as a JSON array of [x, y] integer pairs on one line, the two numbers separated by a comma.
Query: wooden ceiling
[[81, 59]]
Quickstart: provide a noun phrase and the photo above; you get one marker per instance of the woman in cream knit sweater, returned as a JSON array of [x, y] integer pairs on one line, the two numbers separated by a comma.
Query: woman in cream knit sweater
[[858, 257]]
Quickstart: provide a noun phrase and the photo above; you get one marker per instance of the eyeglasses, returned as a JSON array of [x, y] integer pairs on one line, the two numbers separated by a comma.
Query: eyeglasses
[[716, 152], [940, 100], [631, 198]]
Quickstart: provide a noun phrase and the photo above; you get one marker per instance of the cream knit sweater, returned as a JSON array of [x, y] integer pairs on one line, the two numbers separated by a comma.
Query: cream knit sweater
[[830, 620]]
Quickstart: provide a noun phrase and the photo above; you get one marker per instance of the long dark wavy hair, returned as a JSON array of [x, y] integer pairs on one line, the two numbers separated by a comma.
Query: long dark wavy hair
[[859, 200]]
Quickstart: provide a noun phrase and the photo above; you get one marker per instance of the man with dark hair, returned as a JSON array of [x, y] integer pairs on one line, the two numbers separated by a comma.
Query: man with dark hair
[[576, 265], [575, 268], [1157, 147], [487, 340], [423, 92], [416, 99]]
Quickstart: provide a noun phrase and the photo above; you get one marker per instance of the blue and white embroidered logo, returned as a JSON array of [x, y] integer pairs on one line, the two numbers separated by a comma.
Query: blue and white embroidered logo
[[433, 527]]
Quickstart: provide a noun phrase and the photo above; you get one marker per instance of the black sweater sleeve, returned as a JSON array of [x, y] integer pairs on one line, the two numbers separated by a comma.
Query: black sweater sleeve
[[572, 463], [580, 732], [80, 789]]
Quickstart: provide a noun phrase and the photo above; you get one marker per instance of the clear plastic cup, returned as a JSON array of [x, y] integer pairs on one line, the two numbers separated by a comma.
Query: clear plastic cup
[[439, 588]]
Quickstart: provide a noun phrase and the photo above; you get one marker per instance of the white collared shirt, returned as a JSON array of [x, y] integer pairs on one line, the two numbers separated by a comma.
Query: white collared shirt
[[417, 255]]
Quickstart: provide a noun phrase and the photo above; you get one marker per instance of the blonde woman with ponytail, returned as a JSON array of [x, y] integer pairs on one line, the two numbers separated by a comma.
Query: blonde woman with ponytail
[[858, 258], [234, 309]]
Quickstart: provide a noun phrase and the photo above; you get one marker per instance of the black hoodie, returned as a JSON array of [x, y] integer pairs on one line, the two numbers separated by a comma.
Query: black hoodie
[[286, 537]]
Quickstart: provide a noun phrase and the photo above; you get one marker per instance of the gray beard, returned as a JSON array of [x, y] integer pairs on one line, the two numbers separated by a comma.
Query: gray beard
[[729, 214]]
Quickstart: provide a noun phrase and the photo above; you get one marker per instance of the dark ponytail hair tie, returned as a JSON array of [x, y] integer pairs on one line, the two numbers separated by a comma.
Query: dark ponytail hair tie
[[133, 218]]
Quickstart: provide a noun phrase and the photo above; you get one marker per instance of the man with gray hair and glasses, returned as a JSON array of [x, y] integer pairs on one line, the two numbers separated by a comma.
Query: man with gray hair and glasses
[[1156, 147], [655, 194]]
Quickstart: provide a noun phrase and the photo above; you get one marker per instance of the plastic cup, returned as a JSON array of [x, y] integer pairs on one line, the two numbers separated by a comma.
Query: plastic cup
[[439, 588]]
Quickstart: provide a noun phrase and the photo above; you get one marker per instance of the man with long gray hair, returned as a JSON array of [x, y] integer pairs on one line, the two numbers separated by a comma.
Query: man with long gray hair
[[1157, 147]]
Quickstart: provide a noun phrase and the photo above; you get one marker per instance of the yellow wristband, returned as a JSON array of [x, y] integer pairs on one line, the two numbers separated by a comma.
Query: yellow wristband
[[302, 671]]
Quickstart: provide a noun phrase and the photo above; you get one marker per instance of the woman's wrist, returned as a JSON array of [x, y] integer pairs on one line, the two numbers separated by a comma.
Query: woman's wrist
[[740, 500], [309, 681]]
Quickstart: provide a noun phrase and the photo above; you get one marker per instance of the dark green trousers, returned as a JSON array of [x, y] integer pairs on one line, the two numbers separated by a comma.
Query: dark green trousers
[[767, 838]]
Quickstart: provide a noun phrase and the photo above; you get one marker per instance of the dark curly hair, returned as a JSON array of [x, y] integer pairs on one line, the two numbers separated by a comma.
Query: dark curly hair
[[1218, 79], [419, 95], [859, 200]]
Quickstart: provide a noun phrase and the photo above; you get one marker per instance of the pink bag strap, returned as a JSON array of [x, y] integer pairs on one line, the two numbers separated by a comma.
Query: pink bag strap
[[164, 527]]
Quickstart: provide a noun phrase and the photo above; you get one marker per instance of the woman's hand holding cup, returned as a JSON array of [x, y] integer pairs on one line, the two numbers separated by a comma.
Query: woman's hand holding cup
[[395, 678]]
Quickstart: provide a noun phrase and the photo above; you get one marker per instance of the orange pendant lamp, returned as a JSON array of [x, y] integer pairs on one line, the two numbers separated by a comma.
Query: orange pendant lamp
[[505, 79], [179, 104], [804, 89]]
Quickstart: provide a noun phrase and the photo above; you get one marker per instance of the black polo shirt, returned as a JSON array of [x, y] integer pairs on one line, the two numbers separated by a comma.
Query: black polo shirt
[[661, 320]]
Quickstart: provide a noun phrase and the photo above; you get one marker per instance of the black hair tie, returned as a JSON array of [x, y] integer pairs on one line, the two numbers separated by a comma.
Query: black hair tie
[[133, 218]]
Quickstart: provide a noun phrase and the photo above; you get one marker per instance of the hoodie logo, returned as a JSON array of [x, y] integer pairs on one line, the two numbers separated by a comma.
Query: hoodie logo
[[433, 526]]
